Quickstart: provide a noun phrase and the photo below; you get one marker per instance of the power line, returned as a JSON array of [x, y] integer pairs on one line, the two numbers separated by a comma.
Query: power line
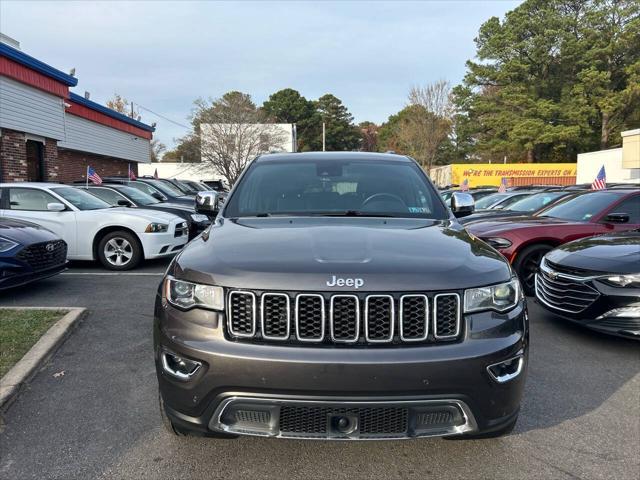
[[163, 117]]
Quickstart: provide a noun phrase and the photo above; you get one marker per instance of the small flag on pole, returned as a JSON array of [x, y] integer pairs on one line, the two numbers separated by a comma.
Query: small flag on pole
[[93, 176], [600, 182], [155, 174], [132, 175], [465, 185], [503, 185]]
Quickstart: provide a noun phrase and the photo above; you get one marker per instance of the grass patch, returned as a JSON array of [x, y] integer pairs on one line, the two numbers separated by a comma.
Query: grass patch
[[19, 330]]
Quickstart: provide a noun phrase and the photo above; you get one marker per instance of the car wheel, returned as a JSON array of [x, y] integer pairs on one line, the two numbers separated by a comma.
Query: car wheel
[[527, 264], [119, 251]]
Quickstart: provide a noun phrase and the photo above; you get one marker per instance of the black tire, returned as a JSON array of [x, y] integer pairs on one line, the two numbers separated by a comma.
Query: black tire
[[119, 250], [527, 264]]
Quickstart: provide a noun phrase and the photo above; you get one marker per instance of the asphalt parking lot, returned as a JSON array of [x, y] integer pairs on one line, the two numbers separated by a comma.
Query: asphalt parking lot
[[580, 417]]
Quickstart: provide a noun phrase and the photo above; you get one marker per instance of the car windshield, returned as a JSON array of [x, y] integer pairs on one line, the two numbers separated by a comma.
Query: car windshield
[[166, 188], [582, 207], [534, 202], [137, 196], [80, 199], [335, 188], [490, 200]]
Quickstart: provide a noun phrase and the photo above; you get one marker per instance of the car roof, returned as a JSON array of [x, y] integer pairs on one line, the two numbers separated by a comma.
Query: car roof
[[318, 156], [33, 184]]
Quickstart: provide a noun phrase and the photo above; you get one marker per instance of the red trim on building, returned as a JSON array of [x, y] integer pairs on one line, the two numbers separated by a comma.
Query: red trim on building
[[84, 112], [32, 78]]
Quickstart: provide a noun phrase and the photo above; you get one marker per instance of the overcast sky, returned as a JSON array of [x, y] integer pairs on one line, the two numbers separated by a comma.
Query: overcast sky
[[163, 55]]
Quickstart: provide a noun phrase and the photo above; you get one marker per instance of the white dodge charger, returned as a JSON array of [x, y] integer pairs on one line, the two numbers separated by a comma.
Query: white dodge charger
[[117, 236]]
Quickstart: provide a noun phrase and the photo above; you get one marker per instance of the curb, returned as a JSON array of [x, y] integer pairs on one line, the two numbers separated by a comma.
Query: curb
[[39, 353]]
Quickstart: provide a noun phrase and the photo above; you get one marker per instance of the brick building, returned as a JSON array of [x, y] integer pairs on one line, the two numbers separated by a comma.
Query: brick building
[[48, 133]]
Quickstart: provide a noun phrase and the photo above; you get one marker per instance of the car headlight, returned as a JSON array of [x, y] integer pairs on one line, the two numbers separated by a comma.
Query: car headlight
[[156, 228], [497, 242], [501, 297], [631, 280], [6, 244], [187, 295], [198, 217]]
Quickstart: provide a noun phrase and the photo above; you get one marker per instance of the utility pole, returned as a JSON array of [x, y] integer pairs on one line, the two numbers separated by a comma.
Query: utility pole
[[324, 133], [132, 114]]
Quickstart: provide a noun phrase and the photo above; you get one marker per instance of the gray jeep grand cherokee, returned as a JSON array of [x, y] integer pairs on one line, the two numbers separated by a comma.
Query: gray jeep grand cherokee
[[337, 297]]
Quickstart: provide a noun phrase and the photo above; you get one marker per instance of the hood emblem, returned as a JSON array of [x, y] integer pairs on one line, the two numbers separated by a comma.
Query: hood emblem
[[50, 247], [345, 282], [552, 274]]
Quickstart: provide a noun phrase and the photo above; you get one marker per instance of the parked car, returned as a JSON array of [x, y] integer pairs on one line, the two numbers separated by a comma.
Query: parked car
[[196, 186], [595, 282], [476, 193], [329, 288], [163, 191], [118, 237], [172, 182], [525, 206], [28, 252], [126, 196], [501, 200], [215, 185], [525, 240]]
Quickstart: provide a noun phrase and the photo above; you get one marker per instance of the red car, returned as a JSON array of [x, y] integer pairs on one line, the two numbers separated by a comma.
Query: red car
[[524, 240]]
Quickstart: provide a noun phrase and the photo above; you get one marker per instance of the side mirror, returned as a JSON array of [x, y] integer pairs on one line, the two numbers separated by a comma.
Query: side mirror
[[208, 203], [56, 207], [157, 196], [125, 203], [462, 204], [617, 218]]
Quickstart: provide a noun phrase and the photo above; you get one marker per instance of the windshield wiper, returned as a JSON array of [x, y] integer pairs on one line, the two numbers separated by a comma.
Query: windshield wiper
[[352, 213]]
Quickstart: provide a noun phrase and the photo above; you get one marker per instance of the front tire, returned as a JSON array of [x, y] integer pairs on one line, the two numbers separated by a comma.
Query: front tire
[[527, 264], [119, 250]]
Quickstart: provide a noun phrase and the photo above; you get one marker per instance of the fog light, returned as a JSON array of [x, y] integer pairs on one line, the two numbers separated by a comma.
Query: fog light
[[626, 312], [179, 367], [506, 370]]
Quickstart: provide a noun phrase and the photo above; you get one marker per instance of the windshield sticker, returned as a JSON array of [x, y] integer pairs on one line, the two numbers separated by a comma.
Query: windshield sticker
[[418, 210]]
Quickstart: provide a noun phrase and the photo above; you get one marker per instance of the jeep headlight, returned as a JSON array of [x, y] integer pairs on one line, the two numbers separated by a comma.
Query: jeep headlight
[[501, 297], [6, 244], [631, 280], [198, 217], [186, 295], [156, 228]]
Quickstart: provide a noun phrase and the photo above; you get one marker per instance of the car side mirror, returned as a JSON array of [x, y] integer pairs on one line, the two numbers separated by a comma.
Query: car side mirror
[[157, 196], [125, 203], [56, 207], [462, 204], [208, 202], [617, 218]]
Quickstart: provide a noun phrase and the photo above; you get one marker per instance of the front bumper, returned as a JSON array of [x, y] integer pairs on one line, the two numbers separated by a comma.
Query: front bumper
[[157, 245], [452, 377], [13, 274]]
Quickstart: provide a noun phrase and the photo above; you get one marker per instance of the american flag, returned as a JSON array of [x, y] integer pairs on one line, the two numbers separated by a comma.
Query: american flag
[[601, 180], [503, 185], [465, 185], [93, 176], [132, 175]]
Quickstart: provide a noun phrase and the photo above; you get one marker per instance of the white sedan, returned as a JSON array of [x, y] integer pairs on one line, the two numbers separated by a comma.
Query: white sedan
[[117, 236]]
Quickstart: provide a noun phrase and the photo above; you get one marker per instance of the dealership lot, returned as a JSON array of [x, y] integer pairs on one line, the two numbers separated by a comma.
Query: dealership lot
[[100, 419]]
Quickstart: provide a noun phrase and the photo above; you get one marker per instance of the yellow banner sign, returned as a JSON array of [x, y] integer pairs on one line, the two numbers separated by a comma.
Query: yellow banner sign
[[491, 174]]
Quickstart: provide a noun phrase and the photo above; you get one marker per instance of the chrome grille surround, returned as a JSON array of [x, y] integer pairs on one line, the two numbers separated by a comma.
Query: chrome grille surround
[[313, 339], [230, 316], [367, 322], [423, 337], [564, 292], [332, 319], [263, 316], [458, 317]]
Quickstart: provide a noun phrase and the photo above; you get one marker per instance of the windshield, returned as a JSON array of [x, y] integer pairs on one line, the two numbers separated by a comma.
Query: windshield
[[335, 187], [490, 200], [138, 196], [582, 207], [534, 202], [80, 199], [165, 187]]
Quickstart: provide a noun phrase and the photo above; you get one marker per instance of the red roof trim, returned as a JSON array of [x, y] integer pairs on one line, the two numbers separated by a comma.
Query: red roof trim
[[32, 78], [84, 112]]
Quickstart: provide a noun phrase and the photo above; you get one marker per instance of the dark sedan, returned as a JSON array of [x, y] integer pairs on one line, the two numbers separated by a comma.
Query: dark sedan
[[124, 195], [525, 240], [595, 282], [28, 252], [159, 189]]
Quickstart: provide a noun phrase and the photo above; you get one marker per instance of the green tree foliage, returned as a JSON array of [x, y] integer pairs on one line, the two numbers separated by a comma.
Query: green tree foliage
[[341, 133], [555, 77], [288, 106]]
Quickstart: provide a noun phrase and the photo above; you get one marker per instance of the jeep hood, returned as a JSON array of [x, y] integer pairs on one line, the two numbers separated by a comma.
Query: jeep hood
[[296, 254]]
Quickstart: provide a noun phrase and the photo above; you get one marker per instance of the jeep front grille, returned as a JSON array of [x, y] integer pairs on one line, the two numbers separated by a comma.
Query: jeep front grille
[[343, 319]]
